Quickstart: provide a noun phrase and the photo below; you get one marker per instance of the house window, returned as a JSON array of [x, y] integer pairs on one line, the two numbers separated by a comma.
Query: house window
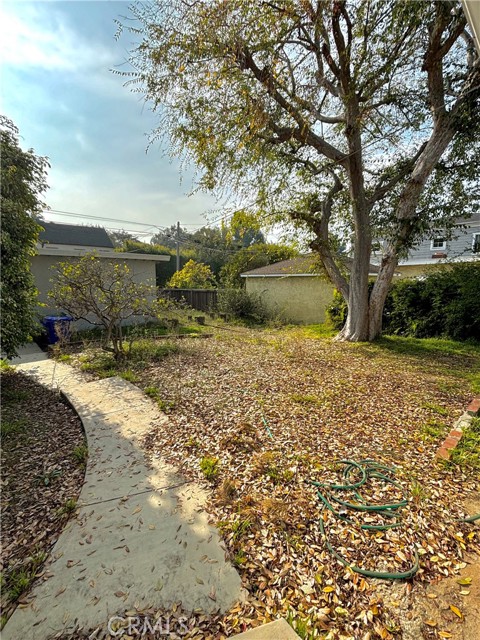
[[476, 243], [438, 243]]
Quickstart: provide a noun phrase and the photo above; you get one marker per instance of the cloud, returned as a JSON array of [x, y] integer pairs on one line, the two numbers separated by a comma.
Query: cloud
[[32, 37]]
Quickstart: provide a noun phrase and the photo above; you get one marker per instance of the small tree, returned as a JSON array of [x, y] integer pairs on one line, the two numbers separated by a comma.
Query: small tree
[[104, 294], [23, 180], [194, 275]]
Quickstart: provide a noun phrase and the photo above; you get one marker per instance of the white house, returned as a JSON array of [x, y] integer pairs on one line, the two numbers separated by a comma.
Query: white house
[[462, 244]]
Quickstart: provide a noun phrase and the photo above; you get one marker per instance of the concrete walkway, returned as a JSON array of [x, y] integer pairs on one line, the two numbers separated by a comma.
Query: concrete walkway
[[140, 538]]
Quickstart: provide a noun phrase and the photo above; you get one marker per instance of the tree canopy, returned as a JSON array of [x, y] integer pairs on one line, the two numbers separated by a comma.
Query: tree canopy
[[353, 116], [23, 182], [194, 275], [253, 257]]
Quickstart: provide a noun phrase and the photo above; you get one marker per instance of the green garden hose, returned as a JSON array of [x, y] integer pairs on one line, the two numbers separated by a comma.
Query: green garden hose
[[367, 469]]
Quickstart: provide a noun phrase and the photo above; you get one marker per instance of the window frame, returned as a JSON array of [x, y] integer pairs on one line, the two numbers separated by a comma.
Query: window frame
[[437, 239], [475, 240]]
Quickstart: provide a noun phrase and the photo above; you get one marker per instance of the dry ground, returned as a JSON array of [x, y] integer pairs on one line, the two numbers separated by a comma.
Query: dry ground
[[265, 411], [43, 466]]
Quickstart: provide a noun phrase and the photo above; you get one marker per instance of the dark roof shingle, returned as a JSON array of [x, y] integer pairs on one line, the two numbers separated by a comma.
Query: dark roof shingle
[[56, 233]]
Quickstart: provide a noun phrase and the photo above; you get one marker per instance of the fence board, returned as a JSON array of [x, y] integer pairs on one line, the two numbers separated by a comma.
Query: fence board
[[200, 299]]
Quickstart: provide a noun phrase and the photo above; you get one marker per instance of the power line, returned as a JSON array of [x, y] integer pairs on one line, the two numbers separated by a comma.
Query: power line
[[73, 214]]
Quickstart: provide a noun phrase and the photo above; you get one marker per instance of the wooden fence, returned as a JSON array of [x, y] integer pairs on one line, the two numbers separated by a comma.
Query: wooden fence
[[200, 299]]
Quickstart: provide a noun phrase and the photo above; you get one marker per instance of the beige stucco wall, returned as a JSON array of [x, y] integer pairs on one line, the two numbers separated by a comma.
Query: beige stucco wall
[[296, 299], [141, 270]]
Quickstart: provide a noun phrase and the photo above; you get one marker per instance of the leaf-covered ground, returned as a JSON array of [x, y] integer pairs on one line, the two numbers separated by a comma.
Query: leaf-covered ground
[[265, 411], [42, 471]]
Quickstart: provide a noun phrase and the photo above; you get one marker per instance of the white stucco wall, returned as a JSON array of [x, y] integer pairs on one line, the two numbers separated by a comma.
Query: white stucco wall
[[295, 299]]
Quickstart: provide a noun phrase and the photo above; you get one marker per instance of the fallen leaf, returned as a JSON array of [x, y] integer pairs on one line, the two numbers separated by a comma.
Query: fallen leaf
[[456, 611]]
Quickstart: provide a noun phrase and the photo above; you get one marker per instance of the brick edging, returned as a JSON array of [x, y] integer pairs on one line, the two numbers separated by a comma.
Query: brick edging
[[445, 450]]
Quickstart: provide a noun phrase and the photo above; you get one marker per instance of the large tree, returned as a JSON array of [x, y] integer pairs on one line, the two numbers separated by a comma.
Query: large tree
[[359, 117], [23, 181]]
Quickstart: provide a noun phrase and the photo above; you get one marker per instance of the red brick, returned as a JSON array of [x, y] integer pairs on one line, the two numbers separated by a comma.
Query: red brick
[[450, 443], [443, 453], [474, 407], [455, 434]]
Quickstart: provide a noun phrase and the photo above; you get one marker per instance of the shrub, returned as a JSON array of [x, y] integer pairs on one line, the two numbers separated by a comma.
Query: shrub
[[445, 303], [337, 310], [242, 305]]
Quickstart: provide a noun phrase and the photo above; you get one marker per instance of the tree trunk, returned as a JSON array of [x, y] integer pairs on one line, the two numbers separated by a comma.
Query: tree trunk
[[379, 295]]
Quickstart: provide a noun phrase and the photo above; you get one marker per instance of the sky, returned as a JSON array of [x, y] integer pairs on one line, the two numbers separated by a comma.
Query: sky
[[58, 88]]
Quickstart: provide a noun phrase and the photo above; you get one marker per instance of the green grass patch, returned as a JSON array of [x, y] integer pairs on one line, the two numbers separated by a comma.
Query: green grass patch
[[433, 429], [428, 346], [128, 375], [318, 331], [467, 451], [436, 408], [68, 508], [210, 467], [12, 427], [151, 351], [64, 357], [14, 395], [19, 580], [305, 399], [80, 453]]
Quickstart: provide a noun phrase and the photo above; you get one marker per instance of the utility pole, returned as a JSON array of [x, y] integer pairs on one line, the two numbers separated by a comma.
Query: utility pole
[[178, 246]]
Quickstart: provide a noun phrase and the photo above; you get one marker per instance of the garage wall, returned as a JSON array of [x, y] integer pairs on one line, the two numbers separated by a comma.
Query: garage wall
[[142, 271], [295, 299]]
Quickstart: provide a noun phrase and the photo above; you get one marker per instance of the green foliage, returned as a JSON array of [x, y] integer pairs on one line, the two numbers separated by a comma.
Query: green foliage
[[244, 230], [210, 467], [467, 451], [19, 580], [5, 368], [128, 375], [445, 303], [11, 427], [239, 304], [252, 257], [104, 294], [68, 508], [151, 392], [194, 275], [48, 477], [337, 311], [80, 453], [23, 181]]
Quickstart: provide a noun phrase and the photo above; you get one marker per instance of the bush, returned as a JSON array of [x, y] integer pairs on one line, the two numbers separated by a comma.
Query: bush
[[337, 311], [242, 305], [445, 303]]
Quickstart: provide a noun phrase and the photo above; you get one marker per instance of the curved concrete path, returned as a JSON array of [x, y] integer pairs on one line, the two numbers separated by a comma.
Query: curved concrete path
[[140, 538]]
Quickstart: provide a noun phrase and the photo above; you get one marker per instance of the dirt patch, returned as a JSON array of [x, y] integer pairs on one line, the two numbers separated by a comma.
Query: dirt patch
[[43, 466]]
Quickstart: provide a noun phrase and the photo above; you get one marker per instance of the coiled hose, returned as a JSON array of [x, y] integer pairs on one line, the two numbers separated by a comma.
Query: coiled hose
[[328, 494]]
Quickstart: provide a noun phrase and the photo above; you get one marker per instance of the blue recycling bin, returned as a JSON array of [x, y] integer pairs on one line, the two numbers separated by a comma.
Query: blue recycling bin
[[64, 326]]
